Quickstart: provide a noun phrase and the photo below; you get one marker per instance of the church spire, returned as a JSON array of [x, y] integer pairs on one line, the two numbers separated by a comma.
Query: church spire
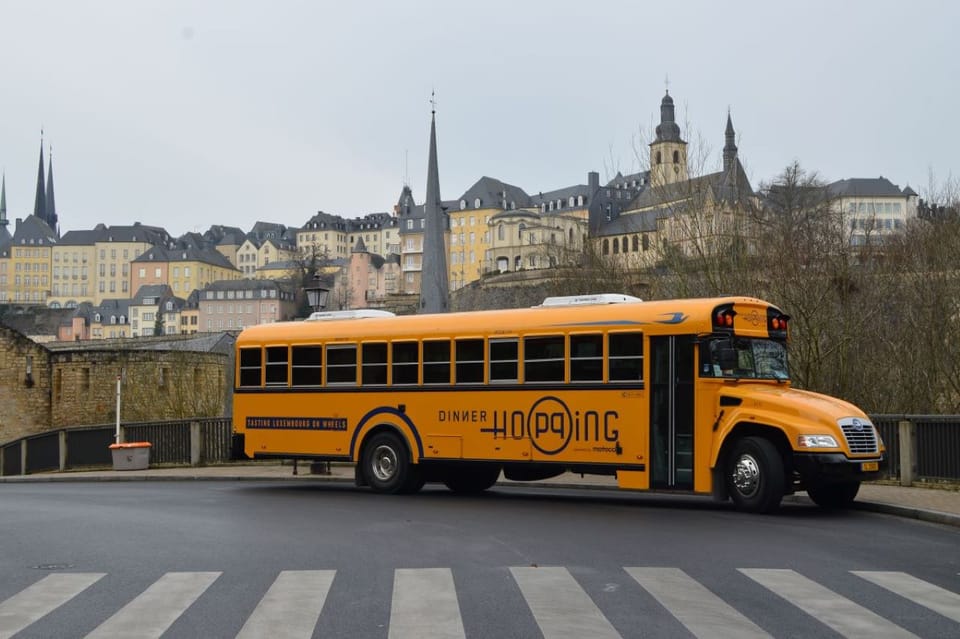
[[3, 202], [40, 204], [730, 148], [50, 213], [434, 289]]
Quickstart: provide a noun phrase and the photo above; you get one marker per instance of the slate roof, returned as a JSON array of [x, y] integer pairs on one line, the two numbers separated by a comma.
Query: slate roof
[[865, 187], [643, 222], [323, 221], [33, 231], [492, 193], [188, 254], [136, 233], [79, 238], [561, 194], [242, 285], [157, 291]]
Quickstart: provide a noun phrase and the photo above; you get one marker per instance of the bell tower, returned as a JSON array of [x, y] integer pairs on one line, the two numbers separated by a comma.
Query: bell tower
[[668, 152]]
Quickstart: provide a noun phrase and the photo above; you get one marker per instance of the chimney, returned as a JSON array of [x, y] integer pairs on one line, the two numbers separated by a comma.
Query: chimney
[[593, 182]]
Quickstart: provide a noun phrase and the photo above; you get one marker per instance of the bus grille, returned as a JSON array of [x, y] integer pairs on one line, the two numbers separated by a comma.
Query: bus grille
[[860, 435]]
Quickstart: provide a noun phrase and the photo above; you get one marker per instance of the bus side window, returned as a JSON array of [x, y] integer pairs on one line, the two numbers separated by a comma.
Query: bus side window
[[436, 362], [503, 360], [469, 361], [586, 358], [307, 365], [342, 364], [626, 357], [277, 365], [250, 362], [406, 362], [374, 364], [543, 359]]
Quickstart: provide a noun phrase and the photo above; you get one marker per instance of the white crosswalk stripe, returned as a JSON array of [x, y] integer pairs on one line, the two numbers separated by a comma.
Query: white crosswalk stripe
[[155, 610], [560, 606], [702, 612], [916, 590], [41, 598], [425, 605], [291, 607], [844, 616]]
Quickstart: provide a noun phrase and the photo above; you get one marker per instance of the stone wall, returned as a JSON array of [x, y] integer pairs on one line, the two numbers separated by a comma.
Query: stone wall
[[155, 385], [24, 399], [74, 387]]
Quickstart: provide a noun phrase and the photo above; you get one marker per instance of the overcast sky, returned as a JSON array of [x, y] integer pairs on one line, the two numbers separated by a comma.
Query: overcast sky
[[184, 114]]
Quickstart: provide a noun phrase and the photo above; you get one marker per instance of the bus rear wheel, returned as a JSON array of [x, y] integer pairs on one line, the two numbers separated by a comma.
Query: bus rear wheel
[[834, 496], [755, 475], [471, 479], [387, 466]]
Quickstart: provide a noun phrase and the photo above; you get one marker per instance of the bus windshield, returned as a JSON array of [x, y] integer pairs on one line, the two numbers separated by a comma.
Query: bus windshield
[[749, 358]]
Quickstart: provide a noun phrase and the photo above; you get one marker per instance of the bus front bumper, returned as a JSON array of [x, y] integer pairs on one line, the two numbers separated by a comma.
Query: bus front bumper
[[829, 468]]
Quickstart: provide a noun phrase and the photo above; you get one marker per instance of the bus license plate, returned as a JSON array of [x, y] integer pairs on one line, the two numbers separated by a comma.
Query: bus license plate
[[869, 466]]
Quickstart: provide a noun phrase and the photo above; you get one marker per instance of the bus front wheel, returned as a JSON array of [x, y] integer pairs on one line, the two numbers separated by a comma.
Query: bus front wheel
[[755, 475], [387, 465], [834, 496]]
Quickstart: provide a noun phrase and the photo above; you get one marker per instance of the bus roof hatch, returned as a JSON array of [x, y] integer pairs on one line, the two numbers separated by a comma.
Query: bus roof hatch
[[601, 298], [359, 313]]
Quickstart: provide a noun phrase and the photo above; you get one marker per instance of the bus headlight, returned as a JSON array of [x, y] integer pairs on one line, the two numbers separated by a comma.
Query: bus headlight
[[817, 441]]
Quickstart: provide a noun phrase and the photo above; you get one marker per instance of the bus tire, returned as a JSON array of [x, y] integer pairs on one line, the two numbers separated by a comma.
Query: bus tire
[[472, 479], [834, 496], [386, 464], [755, 475]]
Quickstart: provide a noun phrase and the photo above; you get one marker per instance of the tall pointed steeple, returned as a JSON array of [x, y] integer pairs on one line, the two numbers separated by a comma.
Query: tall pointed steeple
[[434, 289], [40, 204], [730, 148], [3, 203], [51, 208]]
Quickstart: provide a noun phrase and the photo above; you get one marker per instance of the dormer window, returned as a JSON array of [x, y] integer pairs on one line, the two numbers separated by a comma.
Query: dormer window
[[123, 319], [476, 203], [463, 204], [113, 319], [96, 317], [570, 201]]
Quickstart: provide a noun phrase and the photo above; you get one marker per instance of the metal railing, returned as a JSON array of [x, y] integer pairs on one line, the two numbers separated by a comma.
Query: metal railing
[[920, 448], [190, 442]]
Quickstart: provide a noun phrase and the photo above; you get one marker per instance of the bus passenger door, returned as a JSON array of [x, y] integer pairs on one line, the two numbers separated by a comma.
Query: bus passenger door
[[671, 411]]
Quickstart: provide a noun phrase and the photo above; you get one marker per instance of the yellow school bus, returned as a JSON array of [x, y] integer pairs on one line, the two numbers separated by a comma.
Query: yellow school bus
[[686, 395]]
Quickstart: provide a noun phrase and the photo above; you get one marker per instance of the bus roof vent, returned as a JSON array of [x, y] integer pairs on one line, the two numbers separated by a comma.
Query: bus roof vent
[[580, 300], [359, 313]]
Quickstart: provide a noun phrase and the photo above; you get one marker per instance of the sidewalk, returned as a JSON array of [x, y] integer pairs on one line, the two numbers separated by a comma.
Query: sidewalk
[[927, 504]]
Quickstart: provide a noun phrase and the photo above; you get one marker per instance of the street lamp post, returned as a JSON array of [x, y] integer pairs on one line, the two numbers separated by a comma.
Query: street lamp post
[[317, 293], [317, 299]]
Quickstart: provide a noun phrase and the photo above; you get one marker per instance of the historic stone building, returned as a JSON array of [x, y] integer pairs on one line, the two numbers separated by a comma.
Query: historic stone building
[[49, 386], [671, 211]]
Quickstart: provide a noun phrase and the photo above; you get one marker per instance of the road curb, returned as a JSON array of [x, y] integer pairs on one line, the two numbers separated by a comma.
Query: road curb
[[909, 512]]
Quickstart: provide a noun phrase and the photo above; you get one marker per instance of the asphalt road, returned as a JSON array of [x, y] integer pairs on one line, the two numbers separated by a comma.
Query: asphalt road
[[214, 559]]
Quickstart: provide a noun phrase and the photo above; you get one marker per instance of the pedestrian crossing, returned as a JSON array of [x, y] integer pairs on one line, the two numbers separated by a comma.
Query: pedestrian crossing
[[424, 603]]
